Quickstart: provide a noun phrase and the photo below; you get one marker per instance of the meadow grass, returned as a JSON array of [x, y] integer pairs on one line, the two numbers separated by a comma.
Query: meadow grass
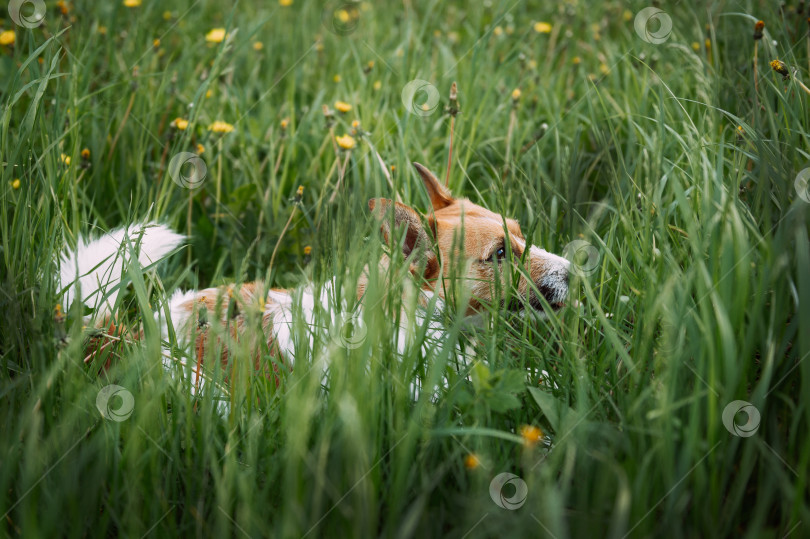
[[667, 159]]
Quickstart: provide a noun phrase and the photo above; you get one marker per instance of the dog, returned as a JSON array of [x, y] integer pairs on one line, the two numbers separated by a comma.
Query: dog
[[459, 246]]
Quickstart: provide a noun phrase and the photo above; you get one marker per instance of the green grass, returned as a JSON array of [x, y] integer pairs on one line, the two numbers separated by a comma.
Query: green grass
[[699, 298]]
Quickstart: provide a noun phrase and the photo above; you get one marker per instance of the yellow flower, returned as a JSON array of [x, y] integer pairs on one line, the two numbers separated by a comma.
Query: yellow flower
[[542, 27], [86, 154], [217, 35], [516, 94], [336, 78], [604, 69], [627, 15], [342, 106], [530, 434], [377, 85], [780, 67], [180, 124], [285, 3], [156, 43], [15, 184], [102, 30], [285, 123], [356, 124], [695, 46], [209, 93], [200, 149], [576, 60], [307, 250], [220, 127], [8, 37], [498, 31], [167, 15], [257, 46], [65, 159], [471, 461], [132, 3], [300, 192], [346, 142]]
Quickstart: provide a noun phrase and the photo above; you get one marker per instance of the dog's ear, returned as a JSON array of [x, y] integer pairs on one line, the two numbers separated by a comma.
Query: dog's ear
[[440, 196], [417, 238]]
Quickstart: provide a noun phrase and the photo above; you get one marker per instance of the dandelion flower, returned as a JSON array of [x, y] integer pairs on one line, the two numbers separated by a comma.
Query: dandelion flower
[[346, 142], [217, 35], [285, 123], [167, 15], [180, 124], [516, 93], [85, 154], [576, 60], [471, 461], [342, 106], [498, 31], [336, 78], [758, 27], [102, 30], [200, 149], [695, 46], [377, 85], [781, 68], [156, 43], [307, 250], [132, 3], [65, 159], [15, 184], [285, 3], [220, 127], [530, 434], [300, 191], [257, 46], [8, 37], [542, 27]]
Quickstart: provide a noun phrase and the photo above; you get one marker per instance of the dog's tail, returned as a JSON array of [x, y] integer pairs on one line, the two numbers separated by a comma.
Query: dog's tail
[[96, 266]]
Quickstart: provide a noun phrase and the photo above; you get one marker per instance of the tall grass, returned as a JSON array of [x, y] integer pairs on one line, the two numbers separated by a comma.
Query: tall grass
[[660, 156]]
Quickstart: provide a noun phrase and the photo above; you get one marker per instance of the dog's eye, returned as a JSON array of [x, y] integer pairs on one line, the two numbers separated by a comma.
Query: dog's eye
[[499, 254]]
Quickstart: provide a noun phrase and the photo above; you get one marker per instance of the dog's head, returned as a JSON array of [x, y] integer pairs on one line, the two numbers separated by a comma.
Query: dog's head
[[483, 253]]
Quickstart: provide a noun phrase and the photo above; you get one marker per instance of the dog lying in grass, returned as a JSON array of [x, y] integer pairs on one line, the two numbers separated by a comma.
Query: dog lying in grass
[[492, 251]]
